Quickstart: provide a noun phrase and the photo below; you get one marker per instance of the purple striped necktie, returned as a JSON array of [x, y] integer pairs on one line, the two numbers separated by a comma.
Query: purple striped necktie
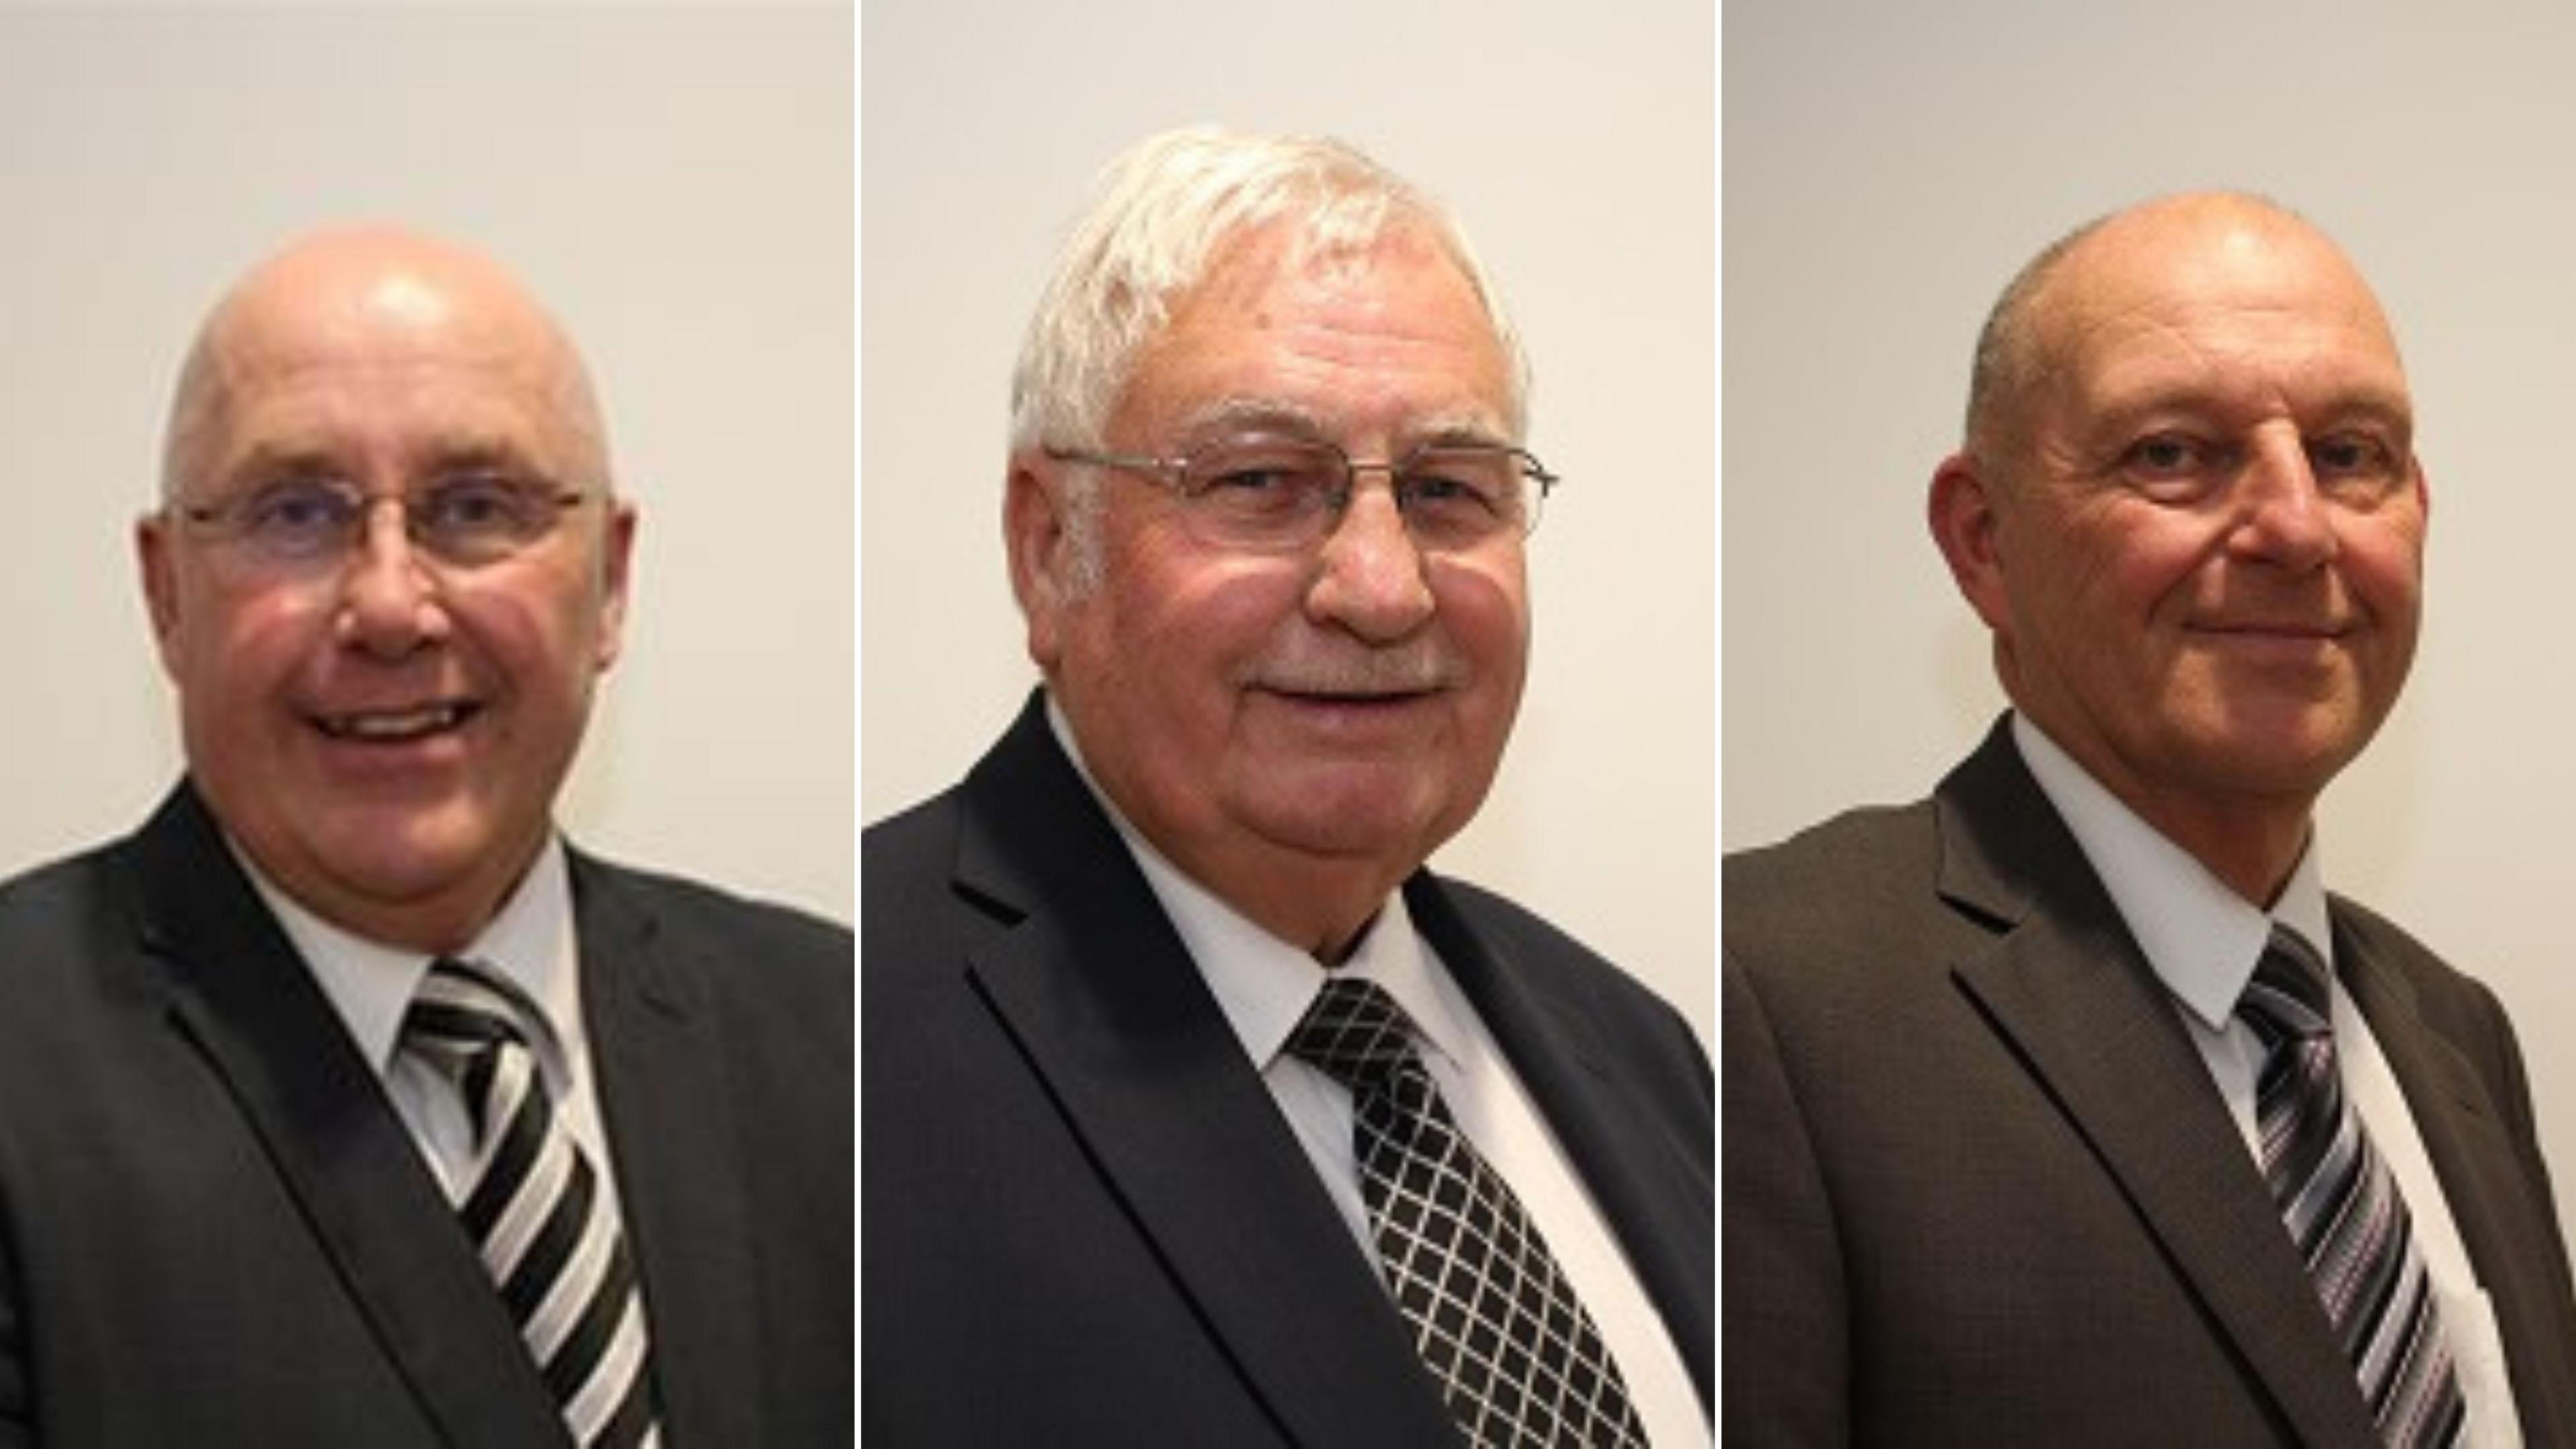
[[2340, 1203]]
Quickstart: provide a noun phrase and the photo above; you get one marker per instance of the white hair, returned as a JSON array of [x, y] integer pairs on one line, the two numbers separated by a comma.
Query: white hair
[[1164, 210]]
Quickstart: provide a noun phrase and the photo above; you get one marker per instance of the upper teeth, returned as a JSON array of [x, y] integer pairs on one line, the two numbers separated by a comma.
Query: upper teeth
[[397, 723]]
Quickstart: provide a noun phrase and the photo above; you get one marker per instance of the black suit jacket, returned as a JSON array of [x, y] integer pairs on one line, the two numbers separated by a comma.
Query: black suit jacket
[[214, 1228], [1086, 1222], [1981, 1189]]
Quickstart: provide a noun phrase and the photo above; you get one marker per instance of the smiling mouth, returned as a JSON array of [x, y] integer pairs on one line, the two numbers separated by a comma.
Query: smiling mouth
[[396, 726]]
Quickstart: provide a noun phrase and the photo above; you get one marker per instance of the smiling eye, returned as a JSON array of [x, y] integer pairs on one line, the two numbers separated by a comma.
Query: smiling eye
[[295, 517], [2355, 462], [2172, 466], [1250, 478], [1260, 482], [2165, 453]]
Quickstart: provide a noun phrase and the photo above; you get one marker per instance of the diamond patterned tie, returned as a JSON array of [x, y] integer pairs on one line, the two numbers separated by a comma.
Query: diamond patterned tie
[[529, 1199], [1494, 1318], [2341, 1205]]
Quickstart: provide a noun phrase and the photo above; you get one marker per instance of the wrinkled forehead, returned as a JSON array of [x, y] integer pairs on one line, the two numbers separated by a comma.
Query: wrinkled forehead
[[2263, 303], [1287, 300]]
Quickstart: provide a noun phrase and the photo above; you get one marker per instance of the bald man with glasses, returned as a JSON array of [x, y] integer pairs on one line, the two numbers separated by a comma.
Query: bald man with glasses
[[346, 1102]]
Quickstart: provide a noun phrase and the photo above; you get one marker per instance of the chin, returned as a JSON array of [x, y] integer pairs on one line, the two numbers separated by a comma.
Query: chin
[[408, 849], [1379, 823], [395, 875]]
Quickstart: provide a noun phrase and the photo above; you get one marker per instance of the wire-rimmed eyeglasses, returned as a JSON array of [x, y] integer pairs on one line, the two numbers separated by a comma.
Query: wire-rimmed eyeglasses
[[466, 520], [1276, 493]]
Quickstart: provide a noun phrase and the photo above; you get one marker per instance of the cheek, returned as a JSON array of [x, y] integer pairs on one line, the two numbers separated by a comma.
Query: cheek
[[1483, 607], [2384, 564], [537, 628], [2123, 572], [246, 643], [1189, 621]]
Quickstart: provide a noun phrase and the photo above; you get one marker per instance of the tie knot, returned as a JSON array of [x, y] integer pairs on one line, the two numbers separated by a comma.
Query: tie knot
[[2288, 996], [1354, 1032], [461, 1009]]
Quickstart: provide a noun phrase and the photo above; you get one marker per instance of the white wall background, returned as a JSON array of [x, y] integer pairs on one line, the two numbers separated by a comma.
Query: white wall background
[[674, 180], [1575, 142], [1888, 166]]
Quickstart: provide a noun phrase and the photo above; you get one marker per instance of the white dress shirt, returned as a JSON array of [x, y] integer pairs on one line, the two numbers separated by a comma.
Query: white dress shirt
[[529, 944], [2204, 941], [1263, 985]]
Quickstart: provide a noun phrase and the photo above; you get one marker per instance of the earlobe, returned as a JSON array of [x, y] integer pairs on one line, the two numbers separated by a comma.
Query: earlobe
[[1966, 527]]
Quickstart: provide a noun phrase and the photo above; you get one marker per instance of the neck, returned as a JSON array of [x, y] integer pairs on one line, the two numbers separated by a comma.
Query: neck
[[2253, 852], [1321, 906]]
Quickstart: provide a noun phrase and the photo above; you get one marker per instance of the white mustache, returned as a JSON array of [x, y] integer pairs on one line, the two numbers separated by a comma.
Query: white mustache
[[1411, 670]]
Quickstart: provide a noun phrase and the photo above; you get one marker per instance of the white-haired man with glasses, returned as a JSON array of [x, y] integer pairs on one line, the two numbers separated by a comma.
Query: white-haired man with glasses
[[1198, 1110], [345, 1102]]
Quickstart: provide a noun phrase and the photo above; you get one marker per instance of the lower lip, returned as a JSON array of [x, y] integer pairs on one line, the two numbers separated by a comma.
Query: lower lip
[[2275, 645], [1350, 712]]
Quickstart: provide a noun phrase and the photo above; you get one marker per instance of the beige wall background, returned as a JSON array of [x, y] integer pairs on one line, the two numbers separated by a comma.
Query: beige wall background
[[1888, 166], [1576, 143], [674, 179]]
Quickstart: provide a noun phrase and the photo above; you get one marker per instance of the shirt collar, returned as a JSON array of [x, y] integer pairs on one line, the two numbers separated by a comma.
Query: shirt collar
[[1262, 984], [2202, 938], [529, 943]]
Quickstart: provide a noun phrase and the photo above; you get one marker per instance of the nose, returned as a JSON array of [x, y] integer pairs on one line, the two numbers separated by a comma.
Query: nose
[[2282, 515], [389, 599], [1369, 576]]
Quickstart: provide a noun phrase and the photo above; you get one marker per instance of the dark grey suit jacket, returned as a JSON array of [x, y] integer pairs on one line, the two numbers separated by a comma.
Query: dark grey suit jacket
[[214, 1229], [1085, 1220], [1980, 1188]]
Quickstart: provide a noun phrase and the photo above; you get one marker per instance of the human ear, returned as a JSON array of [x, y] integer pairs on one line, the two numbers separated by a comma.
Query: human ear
[[154, 562], [616, 553], [1966, 526], [1038, 535]]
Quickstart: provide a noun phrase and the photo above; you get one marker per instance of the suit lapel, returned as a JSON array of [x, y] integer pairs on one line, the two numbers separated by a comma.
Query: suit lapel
[[242, 998], [2065, 986], [1097, 989], [2484, 1183], [1641, 1180], [669, 1119]]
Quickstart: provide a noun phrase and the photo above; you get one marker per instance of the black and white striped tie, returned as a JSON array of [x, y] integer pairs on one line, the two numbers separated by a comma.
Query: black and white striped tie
[[1494, 1318], [2341, 1205], [529, 1199]]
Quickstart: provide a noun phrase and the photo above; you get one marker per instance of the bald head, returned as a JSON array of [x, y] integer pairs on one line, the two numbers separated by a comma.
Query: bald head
[[2191, 513], [2130, 259], [375, 296]]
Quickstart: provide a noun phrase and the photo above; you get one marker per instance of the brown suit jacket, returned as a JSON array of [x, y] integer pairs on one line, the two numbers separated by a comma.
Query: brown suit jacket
[[1978, 1187]]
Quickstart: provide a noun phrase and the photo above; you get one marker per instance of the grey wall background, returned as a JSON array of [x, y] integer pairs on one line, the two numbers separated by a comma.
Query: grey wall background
[[1575, 142], [1886, 169], [676, 181]]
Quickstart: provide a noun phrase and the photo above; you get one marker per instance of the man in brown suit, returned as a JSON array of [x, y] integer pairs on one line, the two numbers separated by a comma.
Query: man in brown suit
[[2012, 1149]]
